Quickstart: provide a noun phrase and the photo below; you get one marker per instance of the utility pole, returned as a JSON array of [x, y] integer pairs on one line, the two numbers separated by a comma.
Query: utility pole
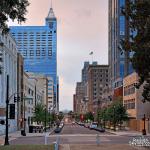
[[144, 130], [7, 103], [45, 118], [114, 119]]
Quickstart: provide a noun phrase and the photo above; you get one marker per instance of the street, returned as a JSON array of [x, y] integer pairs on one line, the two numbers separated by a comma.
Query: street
[[75, 134]]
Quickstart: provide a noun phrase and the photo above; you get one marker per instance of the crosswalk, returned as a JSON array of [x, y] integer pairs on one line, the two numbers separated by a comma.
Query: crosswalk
[[75, 126]]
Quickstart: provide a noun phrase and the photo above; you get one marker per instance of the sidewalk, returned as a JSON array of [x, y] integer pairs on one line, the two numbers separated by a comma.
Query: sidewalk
[[17, 134], [127, 133], [99, 147]]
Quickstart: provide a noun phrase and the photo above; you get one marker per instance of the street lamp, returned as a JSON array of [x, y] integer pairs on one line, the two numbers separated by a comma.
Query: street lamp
[[45, 118], [114, 118], [49, 116], [144, 130], [7, 103]]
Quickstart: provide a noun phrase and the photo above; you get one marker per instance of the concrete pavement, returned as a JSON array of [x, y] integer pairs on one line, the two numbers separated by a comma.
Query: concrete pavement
[[127, 133], [17, 134], [99, 147]]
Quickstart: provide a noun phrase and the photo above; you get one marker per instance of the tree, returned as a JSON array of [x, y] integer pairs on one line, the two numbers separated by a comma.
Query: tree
[[12, 9], [115, 113], [39, 114], [137, 13], [89, 116]]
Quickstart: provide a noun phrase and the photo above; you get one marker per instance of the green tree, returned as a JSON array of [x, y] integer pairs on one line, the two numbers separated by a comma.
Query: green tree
[[114, 114], [39, 114], [137, 14], [12, 9], [89, 116], [61, 116]]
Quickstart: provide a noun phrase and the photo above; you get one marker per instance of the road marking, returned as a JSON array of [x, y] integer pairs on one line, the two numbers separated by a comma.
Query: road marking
[[81, 135]]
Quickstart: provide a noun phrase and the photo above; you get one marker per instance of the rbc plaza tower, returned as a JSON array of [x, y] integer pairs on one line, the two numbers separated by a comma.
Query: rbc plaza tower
[[38, 46]]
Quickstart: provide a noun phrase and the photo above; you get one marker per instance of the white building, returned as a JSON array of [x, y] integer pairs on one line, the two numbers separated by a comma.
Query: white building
[[32, 95], [50, 93], [8, 62]]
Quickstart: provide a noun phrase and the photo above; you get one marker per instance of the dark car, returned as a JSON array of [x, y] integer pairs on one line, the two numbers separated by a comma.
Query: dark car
[[57, 130], [100, 129]]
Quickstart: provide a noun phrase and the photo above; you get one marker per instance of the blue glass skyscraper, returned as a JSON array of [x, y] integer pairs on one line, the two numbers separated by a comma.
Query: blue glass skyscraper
[[118, 62], [38, 45]]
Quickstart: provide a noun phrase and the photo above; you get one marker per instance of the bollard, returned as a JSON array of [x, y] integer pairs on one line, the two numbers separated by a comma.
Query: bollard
[[57, 144], [98, 140], [46, 136]]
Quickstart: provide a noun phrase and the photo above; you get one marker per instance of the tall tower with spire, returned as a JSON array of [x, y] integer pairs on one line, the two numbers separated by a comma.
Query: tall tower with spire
[[38, 45]]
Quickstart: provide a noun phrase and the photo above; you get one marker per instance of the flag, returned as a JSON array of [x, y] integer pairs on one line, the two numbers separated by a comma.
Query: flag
[[91, 53]]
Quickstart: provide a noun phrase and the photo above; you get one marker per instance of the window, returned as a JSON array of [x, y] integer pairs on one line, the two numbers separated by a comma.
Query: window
[[31, 53], [37, 52], [49, 52]]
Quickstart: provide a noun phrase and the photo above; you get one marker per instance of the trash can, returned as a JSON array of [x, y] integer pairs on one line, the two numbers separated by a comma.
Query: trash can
[[23, 132], [30, 129]]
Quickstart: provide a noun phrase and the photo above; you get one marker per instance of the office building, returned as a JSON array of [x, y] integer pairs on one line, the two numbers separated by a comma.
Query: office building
[[38, 45], [20, 86], [97, 80], [33, 94], [132, 100], [8, 55], [119, 65]]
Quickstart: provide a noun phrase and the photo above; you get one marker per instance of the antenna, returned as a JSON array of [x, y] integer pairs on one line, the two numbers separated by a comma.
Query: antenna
[[51, 4]]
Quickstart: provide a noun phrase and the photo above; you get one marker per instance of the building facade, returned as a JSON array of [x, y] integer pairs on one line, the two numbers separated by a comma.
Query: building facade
[[38, 45], [97, 80], [8, 55], [132, 100], [119, 65], [20, 86], [41, 84], [33, 93]]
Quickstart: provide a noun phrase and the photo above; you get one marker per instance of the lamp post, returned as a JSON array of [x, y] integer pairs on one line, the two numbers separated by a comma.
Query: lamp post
[[7, 103], [49, 116], [114, 118], [144, 130], [45, 118]]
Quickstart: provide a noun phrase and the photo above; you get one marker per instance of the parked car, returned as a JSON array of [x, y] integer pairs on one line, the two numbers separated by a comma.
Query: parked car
[[73, 122], [100, 129], [87, 125], [93, 125], [57, 130]]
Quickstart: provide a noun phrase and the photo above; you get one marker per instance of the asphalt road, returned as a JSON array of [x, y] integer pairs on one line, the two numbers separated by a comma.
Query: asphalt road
[[75, 134], [77, 129]]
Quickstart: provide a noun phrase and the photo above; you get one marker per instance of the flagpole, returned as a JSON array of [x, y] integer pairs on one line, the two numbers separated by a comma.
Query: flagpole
[[91, 53]]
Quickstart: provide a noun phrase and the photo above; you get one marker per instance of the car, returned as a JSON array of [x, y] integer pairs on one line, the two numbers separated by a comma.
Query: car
[[93, 125], [87, 125], [100, 129], [57, 130], [73, 122]]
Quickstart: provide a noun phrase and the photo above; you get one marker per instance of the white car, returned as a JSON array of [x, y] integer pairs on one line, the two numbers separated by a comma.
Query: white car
[[93, 125]]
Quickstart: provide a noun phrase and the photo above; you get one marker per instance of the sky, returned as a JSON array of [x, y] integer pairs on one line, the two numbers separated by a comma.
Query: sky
[[82, 28]]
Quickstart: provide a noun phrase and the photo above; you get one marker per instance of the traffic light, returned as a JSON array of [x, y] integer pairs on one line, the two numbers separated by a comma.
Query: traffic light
[[12, 111], [2, 122], [16, 99]]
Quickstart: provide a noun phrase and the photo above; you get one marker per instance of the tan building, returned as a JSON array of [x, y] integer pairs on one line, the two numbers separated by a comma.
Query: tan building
[[41, 85], [50, 93], [32, 94], [79, 97], [132, 100], [20, 85], [97, 79]]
